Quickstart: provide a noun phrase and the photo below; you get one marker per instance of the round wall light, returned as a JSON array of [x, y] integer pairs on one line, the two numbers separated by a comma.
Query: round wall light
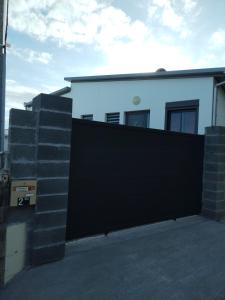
[[136, 100]]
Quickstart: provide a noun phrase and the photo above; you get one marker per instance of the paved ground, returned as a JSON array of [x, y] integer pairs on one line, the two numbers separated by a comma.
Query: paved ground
[[182, 260]]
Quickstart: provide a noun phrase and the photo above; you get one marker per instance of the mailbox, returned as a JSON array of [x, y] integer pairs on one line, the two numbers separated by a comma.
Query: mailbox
[[23, 193]]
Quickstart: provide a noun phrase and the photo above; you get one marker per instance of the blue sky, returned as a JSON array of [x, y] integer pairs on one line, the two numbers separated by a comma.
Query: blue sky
[[53, 39]]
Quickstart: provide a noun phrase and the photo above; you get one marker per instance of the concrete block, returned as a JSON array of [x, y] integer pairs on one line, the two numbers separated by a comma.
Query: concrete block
[[215, 140], [214, 157], [213, 195], [53, 119], [214, 167], [220, 205], [24, 118], [22, 135], [218, 177], [22, 153], [214, 173], [46, 237], [47, 254], [23, 170], [54, 136], [51, 202], [53, 169], [213, 205], [217, 215], [51, 219], [18, 215], [215, 130], [52, 102], [46, 152], [215, 149], [213, 185], [52, 186]]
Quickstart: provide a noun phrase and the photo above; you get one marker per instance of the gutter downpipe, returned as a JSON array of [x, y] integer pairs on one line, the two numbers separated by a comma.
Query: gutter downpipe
[[215, 102]]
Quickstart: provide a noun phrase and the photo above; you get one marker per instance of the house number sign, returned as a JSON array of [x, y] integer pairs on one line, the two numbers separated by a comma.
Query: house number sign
[[23, 193]]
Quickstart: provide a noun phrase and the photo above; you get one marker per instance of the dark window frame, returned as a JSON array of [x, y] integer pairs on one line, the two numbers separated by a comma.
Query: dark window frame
[[137, 111], [181, 106], [106, 114], [83, 117]]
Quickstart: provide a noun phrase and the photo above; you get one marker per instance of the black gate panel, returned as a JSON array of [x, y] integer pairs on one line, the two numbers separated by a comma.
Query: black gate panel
[[124, 176]]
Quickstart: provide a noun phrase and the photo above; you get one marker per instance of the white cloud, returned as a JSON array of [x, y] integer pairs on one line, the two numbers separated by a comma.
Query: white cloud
[[189, 5], [152, 11], [16, 95], [47, 88], [213, 53], [71, 23], [217, 39], [127, 45], [145, 56], [174, 15], [65, 21], [30, 55], [13, 86], [171, 19]]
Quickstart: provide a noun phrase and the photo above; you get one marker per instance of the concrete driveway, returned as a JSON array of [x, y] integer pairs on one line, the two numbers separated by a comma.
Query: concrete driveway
[[183, 260]]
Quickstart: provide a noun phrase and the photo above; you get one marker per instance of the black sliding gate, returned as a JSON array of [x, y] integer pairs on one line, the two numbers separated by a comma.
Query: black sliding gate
[[125, 176]]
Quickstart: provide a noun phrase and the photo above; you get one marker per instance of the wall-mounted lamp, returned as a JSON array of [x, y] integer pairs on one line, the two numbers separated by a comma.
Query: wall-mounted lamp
[[136, 100]]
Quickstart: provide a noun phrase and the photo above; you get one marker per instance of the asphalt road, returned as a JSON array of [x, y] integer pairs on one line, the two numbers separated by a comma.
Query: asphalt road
[[182, 260]]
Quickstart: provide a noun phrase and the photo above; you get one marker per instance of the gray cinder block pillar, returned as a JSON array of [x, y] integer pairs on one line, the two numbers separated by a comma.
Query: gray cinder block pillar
[[22, 166], [39, 149], [22, 144], [213, 202], [54, 119]]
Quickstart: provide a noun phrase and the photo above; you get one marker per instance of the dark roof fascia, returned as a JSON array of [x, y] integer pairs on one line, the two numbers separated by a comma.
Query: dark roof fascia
[[62, 91], [214, 72]]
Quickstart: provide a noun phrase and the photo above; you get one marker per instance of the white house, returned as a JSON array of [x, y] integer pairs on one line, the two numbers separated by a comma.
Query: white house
[[185, 101]]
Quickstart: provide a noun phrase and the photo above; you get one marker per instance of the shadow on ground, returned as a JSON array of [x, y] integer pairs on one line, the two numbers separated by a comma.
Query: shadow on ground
[[182, 260]]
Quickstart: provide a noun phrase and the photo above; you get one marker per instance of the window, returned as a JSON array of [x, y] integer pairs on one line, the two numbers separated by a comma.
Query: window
[[137, 118], [87, 117], [182, 116], [113, 118]]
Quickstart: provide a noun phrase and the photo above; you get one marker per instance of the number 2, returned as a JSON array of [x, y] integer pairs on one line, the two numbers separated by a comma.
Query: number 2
[[20, 201]]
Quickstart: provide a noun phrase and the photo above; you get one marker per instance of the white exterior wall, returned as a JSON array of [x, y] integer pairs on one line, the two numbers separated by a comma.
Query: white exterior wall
[[220, 118], [99, 98]]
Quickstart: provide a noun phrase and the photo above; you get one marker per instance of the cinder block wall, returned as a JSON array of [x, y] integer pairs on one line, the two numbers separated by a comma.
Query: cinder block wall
[[22, 166], [39, 149], [213, 200], [22, 144], [54, 119]]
